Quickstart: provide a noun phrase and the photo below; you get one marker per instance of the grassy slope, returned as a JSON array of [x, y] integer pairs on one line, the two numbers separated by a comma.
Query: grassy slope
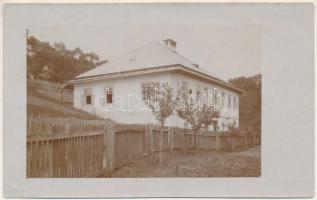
[[40, 104]]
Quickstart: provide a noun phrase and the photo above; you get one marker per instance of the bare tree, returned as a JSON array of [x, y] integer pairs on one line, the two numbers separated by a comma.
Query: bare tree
[[194, 113], [159, 99]]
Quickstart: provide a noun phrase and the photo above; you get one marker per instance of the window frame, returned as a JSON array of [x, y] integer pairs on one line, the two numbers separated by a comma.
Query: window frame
[[234, 102], [108, 90], [198, 93], [206, 96], [88, 99], [229, 101], [210, 99], [223, 99], [88, 92], [215, 96], [190, 91], [146, 95]]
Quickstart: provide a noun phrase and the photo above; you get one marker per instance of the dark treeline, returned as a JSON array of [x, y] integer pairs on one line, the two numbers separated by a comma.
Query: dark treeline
[[55, 62], [250, 101]]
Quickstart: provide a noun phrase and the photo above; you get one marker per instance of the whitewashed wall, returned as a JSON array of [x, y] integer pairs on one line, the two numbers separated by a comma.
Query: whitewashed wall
[[128, 106], [127, 91]]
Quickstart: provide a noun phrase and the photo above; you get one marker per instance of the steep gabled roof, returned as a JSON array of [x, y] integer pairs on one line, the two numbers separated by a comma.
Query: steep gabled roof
[[150, 56]]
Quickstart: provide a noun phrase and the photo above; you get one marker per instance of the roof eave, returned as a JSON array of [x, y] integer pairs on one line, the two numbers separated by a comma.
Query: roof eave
[[122, 74], [155, 70], [216, 80]]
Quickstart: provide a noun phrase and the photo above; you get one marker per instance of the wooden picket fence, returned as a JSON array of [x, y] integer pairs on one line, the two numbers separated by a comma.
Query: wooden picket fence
[[133, 142], [70, 147], [65, 147]]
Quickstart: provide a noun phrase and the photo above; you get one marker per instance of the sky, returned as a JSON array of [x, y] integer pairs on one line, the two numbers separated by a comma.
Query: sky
[[223, 39]]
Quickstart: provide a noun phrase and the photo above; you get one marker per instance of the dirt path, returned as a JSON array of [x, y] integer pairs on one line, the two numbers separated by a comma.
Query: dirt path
[[204, 163], [254, 152]]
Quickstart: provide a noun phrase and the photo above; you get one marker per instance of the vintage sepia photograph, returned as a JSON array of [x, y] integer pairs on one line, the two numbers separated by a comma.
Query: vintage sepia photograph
[[143, 100], [158, 100]]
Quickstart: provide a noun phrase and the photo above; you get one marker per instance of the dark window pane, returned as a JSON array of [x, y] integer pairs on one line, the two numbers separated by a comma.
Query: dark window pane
[[109, 98], [88, 99]]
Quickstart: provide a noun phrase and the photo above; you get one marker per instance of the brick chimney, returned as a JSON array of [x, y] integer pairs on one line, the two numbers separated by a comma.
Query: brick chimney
[[170, 43]]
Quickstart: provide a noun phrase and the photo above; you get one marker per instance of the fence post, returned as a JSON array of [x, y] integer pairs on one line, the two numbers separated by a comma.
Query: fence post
[[109, 145], [217, 142], [50, 155], [146, 140], [170, 139], [183, 140], [149, 141]]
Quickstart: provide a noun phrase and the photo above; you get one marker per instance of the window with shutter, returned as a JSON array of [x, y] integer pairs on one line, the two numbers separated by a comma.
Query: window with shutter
[[210, 99], [216, 99], [234, 102], [184, 84], [198, 93], [92, 100], [82, 100], [146, 91], [229, 101], [102, 101], [205, 96], [223, 100], [146, 87]]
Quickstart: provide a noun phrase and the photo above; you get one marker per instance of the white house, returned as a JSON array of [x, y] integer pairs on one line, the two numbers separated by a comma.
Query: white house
[[116, 89]]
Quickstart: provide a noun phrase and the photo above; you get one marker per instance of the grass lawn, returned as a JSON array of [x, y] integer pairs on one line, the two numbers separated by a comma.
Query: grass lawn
[[204, 163]]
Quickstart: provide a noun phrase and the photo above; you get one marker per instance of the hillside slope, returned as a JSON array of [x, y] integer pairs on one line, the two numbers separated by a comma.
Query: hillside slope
[[45, 102]]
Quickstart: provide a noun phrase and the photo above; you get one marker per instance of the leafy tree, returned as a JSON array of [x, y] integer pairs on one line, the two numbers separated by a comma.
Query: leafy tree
[[160, 101], [194, 113], [38, 56]]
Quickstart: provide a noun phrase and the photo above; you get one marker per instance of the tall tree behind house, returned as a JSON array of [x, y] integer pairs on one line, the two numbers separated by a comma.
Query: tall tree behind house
[[57, 63], [250, 101]]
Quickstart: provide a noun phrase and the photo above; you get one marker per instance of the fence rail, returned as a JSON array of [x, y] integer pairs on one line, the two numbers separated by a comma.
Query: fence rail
[[59, 147]]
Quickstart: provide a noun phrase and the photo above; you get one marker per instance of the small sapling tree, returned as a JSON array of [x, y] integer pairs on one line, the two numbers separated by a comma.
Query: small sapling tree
[[193, 112], [159, 99]]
